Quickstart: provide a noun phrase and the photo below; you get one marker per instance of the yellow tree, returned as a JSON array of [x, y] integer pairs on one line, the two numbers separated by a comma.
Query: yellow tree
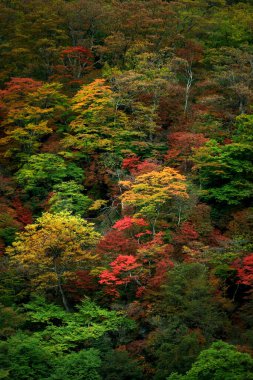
[[98, 126], [152, 191], [28, 121], [51, 249]]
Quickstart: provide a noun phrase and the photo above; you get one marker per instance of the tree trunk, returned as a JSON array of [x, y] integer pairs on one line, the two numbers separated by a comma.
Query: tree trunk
[[64, 299]]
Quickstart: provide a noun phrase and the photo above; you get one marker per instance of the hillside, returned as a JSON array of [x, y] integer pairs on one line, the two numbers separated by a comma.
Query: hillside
[[126, 167]]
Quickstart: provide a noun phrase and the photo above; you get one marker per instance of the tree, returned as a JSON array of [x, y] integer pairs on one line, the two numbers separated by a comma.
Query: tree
[[121, 273], [245, 270], [80, 365], [188, 296], [62, 332], [175, 347], [43, 171], [31, 119], [186, 317], [114, 243], [225, 172], [51, 249], [243, 132], [22, 357], [98, 125], [152, 191], [117, 365], [181, 145], [76, 61], [220, 361], [68, 196]]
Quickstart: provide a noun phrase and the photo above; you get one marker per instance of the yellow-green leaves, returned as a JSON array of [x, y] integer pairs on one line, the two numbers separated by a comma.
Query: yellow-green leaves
[[54, 247]]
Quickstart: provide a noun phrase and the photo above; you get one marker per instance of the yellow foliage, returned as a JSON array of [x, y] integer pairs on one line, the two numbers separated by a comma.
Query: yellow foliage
[[53, 247], [154, 188]]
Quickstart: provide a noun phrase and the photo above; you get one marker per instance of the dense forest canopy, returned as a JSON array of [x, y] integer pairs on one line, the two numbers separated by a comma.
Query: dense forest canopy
[[126, 167]]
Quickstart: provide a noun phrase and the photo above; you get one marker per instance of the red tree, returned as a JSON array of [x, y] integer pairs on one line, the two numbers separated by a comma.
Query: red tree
[[115, 243], [119, 274], [245, 270], [76, 62]]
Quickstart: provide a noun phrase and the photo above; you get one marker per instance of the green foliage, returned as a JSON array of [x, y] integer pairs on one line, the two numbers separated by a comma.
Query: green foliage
[[188, 297], [43, 171], [220, 361], [14, 287], [26, 357], [225, 172], [175, 348], [244, 129], [8, 234], [68, 196], [10, 321], [117, 365], [23, 357], [78, 366], [63, 331]]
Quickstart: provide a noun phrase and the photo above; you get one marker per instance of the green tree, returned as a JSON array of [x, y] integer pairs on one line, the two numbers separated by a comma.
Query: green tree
[[68, 196], [84, 327], [42, 171], [188, 296], [186, 318], [220, 361], [225, 172], [117, 365], [23, 357], [175, 347], [80, 365]]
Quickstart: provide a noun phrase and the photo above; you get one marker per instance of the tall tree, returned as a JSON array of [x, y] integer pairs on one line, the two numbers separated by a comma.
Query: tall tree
[[52, 249]]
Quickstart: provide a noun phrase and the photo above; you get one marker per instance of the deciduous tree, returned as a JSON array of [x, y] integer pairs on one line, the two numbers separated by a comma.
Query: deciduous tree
[[52, 249]]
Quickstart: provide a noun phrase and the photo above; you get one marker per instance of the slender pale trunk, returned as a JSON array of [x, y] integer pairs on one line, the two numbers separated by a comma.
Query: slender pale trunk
[[63, 296], [188, 87]]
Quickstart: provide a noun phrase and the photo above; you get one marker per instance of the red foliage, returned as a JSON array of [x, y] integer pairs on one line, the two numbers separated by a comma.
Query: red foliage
[[187, 232], [155, 258], [128, 222], [76, 61], [15, 91], [245, 270], [130, 163], [191, 52], [24, 215], [136, 167], [182, 144], [217, 238], [114, 243], [145, 167], [83, 283], [18, 87], [119, 274], [79, 53], [124, 263], [161, 272]]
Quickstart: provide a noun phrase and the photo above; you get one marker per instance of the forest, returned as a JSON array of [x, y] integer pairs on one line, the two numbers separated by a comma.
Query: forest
[[126, 187]]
